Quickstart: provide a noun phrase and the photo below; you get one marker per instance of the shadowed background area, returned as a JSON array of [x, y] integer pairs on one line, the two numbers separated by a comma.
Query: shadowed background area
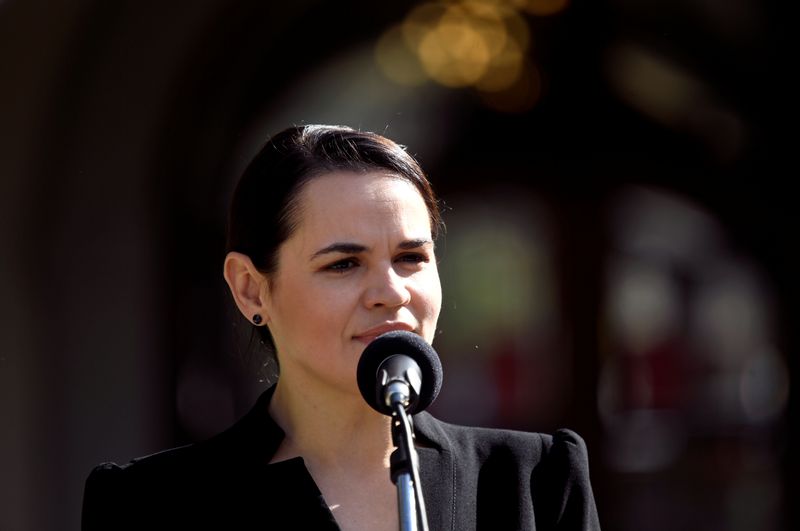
[[618, 260]]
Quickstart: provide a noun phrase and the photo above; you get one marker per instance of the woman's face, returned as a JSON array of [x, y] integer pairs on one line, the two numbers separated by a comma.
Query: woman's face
[[360, 263]]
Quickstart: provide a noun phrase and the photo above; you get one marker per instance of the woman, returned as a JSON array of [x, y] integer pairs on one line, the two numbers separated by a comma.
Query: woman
[[330, 245]]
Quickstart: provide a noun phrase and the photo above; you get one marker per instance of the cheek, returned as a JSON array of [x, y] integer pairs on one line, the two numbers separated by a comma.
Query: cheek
[[432, 295], [329, 305]]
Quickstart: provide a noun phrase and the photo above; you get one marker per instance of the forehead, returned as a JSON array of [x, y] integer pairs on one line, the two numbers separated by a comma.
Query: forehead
[[345, 202]]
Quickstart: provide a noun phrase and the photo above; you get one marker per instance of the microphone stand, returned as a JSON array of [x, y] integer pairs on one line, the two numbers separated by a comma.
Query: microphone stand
[[404, 463]]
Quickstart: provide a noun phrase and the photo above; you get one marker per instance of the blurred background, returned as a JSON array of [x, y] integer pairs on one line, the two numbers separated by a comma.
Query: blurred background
[[618, 260]]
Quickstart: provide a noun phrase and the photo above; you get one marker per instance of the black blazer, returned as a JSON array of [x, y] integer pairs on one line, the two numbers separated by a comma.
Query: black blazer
[[472, 478]]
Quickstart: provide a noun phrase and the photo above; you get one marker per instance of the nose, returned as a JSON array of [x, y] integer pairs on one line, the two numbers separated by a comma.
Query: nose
[[386, 289]]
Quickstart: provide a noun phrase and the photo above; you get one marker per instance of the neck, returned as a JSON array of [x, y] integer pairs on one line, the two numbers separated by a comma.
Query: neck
[[328, 426]]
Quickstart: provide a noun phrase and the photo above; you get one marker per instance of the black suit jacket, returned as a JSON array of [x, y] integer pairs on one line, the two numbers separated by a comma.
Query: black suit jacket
[[472, 478]]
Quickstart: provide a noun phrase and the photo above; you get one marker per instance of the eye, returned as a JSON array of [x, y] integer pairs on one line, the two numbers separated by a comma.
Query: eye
[[413, 258], [340, 266]]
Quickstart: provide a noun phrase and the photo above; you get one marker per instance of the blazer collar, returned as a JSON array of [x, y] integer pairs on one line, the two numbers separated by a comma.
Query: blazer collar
[[254, 439]]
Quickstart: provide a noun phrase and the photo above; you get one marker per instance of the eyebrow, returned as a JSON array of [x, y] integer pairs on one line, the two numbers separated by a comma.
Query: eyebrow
[[414, 244], [356, 248], [340, 247]]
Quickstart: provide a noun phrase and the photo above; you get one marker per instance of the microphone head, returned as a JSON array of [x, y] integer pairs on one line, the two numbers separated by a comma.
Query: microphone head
[[399, 342]]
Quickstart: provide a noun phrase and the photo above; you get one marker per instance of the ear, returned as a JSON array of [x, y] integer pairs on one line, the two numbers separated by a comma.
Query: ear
[[248, 286]]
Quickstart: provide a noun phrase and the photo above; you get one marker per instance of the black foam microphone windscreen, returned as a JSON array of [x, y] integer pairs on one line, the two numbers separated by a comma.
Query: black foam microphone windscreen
[[399, 343]]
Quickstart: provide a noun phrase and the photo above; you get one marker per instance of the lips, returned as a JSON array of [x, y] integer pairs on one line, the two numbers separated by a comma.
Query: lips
[[368, 336]]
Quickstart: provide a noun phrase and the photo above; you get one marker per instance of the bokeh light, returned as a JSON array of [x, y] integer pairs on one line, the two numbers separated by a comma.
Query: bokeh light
[[480, 44], [454, 53], [691, 375], [396, 60]]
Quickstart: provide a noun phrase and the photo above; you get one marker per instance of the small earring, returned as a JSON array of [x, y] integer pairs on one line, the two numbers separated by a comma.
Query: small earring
[[257, 319]]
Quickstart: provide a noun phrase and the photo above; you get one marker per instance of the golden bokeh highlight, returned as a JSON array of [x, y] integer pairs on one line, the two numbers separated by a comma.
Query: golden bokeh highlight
[[485, 17], [397, 61], [483, 44], [454, 54], [503, 70], [518, 28], [422, 20]]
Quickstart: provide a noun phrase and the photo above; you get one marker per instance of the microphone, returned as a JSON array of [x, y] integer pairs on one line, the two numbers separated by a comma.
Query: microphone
[[399, 366]]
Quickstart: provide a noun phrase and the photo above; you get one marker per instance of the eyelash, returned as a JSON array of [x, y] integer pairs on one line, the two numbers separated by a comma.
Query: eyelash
[[341, 266], [414, 257]]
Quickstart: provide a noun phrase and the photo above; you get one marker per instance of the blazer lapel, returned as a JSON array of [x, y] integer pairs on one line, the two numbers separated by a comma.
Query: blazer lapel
[[437, 473]]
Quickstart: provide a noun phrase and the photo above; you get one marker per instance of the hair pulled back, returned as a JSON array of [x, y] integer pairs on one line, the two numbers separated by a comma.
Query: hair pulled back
[[264, 210]]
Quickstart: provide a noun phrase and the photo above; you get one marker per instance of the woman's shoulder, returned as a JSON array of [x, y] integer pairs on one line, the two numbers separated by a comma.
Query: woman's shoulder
[[119, 495], [175, 487], [146, 480], [531, 446], [516, 479], [175, 460]]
